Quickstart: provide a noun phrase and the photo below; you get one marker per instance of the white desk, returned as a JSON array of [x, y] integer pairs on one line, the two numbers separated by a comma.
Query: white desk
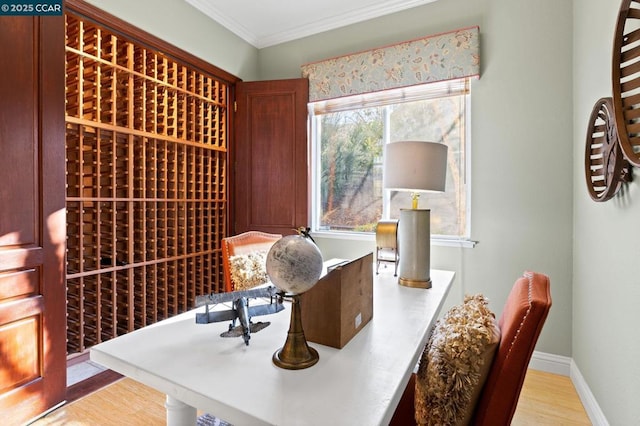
[[359, 384]]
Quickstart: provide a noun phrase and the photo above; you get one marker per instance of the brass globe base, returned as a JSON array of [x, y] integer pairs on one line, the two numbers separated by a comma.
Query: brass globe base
[[281, 359], [295, 354], [407, 282]]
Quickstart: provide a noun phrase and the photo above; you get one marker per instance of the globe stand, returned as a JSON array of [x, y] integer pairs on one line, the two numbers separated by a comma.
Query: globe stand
[[295, 354]]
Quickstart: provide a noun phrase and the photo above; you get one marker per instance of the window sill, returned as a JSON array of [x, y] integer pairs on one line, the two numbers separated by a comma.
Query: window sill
[[370, 236]]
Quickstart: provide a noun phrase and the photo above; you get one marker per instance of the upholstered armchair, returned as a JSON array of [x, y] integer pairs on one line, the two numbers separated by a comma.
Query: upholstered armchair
[[520, 324], [246, 250]]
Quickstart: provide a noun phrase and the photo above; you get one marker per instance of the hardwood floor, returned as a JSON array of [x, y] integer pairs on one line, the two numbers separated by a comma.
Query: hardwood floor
[[546, 399], [125, 402], [549, 399]]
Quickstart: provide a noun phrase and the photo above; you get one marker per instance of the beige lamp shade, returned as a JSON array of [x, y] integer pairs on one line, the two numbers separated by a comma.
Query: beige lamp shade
[[415, 166]]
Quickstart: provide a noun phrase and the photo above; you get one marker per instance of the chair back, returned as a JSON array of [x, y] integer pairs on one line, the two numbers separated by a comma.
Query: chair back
[[245, 243], [524, 314]]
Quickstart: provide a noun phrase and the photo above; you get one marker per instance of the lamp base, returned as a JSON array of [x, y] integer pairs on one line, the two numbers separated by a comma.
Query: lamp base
[[407, 282], [414, 248]]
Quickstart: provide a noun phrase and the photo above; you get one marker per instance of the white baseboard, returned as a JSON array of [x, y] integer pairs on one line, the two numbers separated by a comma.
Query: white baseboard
[[556, 364], [565, 366], [588, 400]]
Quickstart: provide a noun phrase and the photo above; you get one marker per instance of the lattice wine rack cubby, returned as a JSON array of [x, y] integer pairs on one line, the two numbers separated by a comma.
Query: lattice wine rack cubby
[[146, 143]]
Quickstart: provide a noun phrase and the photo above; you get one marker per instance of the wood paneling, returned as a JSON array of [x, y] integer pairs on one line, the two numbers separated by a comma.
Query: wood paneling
[[15, 284], [32, 217], [271, 156], [20, 351], [18, 132]]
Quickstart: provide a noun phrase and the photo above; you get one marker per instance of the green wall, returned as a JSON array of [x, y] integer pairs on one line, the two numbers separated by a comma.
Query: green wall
[[606, 285], [521, 181], [284, 60], [178, 23]]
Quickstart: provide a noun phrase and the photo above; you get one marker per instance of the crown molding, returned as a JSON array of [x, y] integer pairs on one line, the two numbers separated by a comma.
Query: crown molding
[[341, 19]]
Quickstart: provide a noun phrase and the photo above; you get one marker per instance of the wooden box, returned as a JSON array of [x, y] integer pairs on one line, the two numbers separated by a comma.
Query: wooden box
[[340, 304]]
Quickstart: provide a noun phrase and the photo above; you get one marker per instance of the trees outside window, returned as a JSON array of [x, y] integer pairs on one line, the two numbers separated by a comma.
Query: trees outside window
[[348, 138]]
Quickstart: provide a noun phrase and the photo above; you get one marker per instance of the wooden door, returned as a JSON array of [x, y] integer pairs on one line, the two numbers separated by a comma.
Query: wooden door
[[32, 217], [270, 156]]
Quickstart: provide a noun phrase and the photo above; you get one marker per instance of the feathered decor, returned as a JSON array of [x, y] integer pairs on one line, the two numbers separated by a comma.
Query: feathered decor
[[451, 371], [248, 270]]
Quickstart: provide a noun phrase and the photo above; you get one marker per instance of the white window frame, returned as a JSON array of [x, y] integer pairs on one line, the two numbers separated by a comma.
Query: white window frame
[[315, 158]]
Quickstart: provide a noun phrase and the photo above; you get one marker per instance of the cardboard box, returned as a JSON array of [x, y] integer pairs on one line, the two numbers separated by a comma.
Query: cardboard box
[[340, 304]]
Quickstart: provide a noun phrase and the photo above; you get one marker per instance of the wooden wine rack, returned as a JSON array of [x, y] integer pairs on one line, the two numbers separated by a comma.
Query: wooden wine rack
[[146, 144]]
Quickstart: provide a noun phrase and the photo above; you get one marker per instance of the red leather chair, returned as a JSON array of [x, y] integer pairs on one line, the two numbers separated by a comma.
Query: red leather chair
[[244, 243], [523, 316]]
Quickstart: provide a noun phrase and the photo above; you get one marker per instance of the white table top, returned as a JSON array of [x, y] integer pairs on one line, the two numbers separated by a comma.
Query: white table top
[[359, 384]]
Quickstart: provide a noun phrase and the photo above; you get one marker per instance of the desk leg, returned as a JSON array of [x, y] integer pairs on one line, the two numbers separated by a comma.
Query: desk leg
[[179, 413]]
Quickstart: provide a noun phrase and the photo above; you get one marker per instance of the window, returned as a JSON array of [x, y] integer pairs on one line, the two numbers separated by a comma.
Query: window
[[348, 135]]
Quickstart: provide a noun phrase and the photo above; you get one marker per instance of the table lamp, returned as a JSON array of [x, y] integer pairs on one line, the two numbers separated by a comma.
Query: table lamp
[[415, 166]]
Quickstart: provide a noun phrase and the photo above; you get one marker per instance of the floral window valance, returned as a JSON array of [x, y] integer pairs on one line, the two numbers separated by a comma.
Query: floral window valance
[[429, 59]]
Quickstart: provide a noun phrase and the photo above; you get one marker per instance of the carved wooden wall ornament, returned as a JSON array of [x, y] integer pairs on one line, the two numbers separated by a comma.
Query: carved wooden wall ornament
[[605, 166], [613, 133], [626, 79]]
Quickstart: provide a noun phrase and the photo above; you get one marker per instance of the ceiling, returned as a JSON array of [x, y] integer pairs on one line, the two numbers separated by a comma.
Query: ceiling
[[264, 23]]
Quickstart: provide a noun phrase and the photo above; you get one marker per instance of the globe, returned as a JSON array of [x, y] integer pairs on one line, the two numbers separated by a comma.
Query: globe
[[294, 264]]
